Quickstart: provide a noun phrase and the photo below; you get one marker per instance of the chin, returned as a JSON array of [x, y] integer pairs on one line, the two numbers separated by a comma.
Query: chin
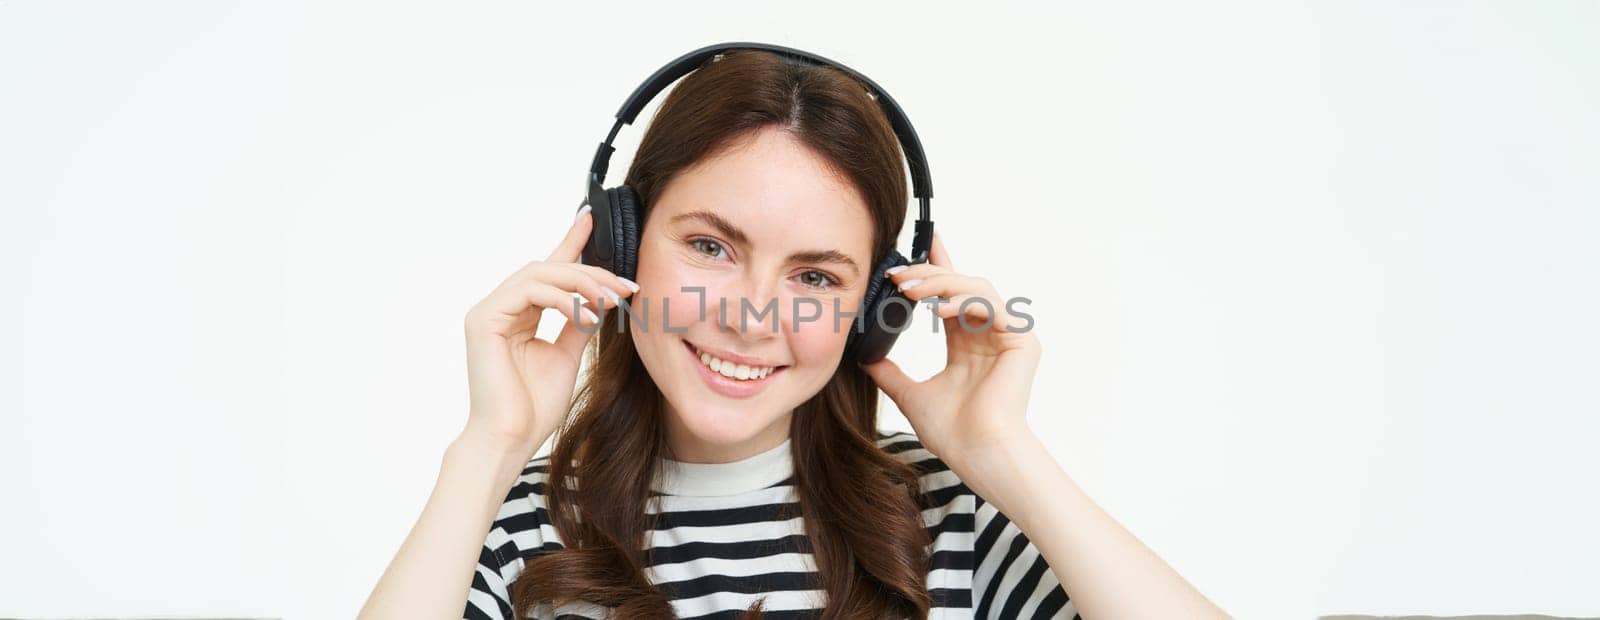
[[723, 426]]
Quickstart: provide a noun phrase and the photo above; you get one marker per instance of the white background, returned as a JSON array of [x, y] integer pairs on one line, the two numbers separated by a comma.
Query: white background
[[1318, 284]]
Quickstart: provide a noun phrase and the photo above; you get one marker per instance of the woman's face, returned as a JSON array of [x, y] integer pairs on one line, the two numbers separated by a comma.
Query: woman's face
[[760, 225]]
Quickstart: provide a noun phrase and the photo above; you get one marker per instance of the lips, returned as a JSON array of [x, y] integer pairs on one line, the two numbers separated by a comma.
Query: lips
[[729, 378]]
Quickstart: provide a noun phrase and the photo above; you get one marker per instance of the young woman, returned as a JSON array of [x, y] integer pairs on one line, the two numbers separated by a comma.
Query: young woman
[[706, 468]]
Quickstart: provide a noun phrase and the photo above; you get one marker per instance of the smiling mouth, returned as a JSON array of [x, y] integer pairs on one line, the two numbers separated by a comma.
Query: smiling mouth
[[732, 370]]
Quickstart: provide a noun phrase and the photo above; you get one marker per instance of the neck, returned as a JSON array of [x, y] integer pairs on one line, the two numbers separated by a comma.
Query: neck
[[689, 448]]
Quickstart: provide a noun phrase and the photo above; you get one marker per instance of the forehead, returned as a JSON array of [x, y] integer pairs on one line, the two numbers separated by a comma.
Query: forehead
[[778, 190]]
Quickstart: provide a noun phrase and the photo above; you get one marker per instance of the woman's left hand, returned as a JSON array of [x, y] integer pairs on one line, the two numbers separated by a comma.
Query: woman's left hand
[[981, 396]]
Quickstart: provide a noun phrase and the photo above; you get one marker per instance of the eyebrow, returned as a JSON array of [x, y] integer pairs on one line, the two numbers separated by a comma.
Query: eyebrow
[[738, 236]]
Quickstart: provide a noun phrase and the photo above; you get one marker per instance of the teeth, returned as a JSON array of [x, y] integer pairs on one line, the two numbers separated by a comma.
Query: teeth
[[741, 372]]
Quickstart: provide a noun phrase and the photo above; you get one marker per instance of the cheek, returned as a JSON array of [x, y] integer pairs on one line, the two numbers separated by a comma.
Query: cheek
[[817, 341], [676, 294]]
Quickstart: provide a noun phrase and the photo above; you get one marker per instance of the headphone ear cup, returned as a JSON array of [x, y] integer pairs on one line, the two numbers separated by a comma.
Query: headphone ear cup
[[625, 211], [885, 313]]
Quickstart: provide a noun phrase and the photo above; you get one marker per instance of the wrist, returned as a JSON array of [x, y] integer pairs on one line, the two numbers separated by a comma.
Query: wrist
[[1004, 470], [505, 454], [990, 447]]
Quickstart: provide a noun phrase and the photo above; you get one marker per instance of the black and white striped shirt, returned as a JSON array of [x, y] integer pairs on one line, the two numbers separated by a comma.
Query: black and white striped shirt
[[728, 535]]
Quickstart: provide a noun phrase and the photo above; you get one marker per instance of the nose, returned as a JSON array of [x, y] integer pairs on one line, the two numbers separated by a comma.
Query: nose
[[755, 313]]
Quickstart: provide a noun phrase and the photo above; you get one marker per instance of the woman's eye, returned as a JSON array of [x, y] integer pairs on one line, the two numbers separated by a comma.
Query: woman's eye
[[816, 279], [707, 247]]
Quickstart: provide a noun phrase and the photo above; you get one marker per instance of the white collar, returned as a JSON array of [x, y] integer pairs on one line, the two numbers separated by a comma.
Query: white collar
[[716, 479]]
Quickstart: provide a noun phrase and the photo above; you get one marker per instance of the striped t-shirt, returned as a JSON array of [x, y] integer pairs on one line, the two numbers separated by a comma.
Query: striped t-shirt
[[727, 535]]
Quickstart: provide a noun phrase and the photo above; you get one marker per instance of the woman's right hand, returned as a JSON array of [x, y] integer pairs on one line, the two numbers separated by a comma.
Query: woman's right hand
[[521, 386]]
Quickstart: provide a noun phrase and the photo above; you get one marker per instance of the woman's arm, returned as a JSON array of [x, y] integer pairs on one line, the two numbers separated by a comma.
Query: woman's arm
[[973, 414], [1106, 570], [520, 389], [431, 574]]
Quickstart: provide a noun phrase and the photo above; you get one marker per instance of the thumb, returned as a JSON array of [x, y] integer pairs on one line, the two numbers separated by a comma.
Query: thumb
[[890, 378], [574, 338]]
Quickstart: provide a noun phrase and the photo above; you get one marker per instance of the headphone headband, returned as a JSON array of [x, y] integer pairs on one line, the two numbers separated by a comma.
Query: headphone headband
[[921, 181]]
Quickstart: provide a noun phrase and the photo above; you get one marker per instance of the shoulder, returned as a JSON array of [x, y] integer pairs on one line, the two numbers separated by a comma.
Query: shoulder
[[940, 485], [521, 531], [908, 449], [531, 483], [524, 517]]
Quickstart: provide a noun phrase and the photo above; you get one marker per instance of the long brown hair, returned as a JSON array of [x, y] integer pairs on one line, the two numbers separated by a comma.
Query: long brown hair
[[860, 504]]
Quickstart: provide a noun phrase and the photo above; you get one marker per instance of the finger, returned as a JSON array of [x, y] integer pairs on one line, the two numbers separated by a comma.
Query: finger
[[570, 277], [914, 272], [540, 296], [602, 274], [937, 255], [952, 294], [945, 284], [573, 339], [983, 312], [571, 246], [948, 308], [972, 306], [890, 379]]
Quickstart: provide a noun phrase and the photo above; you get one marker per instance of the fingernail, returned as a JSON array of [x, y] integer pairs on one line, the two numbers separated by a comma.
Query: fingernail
[[581, 210], [589, 314], [895, 269], [632, 286], [910, 283], [616, 300]]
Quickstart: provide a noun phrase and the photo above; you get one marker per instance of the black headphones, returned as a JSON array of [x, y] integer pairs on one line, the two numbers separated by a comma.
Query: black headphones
[[618, 212]]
